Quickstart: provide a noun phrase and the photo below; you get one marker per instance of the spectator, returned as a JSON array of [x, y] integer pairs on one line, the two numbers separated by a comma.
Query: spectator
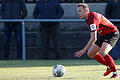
[[113, 12], [13, 9], [49, 9]]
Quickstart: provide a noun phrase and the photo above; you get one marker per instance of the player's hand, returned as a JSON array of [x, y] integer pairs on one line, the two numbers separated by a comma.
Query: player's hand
[[79, 53]]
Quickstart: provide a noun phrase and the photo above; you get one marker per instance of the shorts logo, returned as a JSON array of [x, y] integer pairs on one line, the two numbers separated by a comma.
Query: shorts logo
[[106, 40]]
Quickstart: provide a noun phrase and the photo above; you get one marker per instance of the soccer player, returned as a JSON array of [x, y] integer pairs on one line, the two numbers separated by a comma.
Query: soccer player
[[99, 47]]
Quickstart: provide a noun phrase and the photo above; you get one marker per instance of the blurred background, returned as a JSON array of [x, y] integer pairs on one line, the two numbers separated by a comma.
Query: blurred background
[[73, 35]]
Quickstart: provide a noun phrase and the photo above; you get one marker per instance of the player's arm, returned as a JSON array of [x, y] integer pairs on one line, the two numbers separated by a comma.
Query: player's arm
[[92, 39]]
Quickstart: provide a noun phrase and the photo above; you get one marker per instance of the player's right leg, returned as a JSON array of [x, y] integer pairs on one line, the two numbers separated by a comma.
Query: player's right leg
[[108, 71], [93, 53]]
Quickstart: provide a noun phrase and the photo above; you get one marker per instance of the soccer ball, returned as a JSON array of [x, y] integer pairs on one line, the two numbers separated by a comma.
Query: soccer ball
[[58, 71]]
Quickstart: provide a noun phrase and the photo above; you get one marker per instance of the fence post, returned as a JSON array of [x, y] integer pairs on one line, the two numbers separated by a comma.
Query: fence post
[[83, 1], [23, 41]]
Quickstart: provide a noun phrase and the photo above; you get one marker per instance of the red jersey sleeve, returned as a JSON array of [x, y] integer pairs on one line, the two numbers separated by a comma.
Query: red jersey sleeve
[[97, 22], [94, 20]]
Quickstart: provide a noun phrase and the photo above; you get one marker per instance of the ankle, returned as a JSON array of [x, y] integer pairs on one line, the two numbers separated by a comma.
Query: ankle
[[116, 73]]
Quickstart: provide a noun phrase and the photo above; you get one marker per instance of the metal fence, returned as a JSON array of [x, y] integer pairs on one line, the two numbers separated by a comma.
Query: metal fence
[[23, 21]]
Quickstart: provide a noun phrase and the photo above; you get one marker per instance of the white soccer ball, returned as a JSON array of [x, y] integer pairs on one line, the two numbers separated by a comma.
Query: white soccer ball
[[58, 71]]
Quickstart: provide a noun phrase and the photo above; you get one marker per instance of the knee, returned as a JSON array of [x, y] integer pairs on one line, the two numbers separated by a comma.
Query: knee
[[102, 53], [90, 54]]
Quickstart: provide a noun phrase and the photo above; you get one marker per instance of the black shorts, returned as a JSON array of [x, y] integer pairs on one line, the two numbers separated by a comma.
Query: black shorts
[[110, 39]]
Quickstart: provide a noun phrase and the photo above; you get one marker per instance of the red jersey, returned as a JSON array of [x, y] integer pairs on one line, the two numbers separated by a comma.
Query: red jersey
[[99, 23]]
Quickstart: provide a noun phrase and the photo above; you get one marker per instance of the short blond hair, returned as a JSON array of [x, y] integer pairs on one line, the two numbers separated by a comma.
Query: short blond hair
[[85, 6]]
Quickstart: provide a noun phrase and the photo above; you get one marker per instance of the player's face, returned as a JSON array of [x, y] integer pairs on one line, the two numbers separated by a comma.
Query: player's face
[[82, 13]]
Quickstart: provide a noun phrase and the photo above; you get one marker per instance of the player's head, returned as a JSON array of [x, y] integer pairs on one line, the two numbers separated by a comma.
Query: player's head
[[82, 10]]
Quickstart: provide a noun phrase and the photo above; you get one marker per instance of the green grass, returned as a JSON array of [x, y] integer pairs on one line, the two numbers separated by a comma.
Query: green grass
[[42, 70]]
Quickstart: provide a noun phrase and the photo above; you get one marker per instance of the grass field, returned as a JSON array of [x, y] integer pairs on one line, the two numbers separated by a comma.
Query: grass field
[[42, 70]]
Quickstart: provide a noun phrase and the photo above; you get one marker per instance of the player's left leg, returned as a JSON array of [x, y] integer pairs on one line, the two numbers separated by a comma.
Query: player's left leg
[[105, 48]]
